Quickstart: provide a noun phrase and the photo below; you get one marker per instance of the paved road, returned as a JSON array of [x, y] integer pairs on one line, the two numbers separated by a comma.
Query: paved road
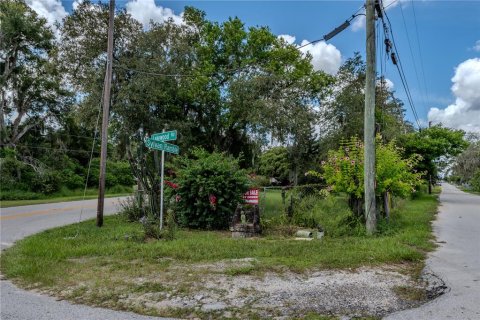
[[456, 261], [19, 222]]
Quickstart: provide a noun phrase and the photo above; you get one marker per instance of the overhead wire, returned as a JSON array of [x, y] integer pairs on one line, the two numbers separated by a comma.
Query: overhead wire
[[420, 52], [382, 75], [395, 56], [412, 56], [60, 134], [337, 30], [390, 4]]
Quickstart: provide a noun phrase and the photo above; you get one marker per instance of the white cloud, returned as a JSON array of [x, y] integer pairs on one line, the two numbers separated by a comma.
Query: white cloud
[[146, 10], [52, 10], [288, 38], [465, 112], [476, 47], [388, 83], [325, 57], [456, 116], [466, 82], [76, 3], [358, 23]]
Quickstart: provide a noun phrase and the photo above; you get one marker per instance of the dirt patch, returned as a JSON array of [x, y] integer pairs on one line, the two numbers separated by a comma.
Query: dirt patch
[[214, 291], [238, 288]]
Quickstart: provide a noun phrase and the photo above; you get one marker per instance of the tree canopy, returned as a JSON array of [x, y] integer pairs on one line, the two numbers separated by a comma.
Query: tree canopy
[[31, 90], [431, 144]]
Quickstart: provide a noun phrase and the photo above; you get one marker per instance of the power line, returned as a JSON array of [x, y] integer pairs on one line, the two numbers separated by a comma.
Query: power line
[[53, 133], [420, 52], [335, 31], [411, 54], [398, 64], [391, 3]]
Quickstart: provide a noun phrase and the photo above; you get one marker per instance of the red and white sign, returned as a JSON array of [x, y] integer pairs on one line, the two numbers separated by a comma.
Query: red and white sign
[[251, 196]]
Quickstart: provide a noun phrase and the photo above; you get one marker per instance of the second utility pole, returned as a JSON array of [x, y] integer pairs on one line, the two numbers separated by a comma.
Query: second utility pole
[[369, 125], [106, 111]]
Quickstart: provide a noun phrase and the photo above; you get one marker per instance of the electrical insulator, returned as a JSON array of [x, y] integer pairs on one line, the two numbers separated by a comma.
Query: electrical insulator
[[388, 45], [378, 8], [394, 58]]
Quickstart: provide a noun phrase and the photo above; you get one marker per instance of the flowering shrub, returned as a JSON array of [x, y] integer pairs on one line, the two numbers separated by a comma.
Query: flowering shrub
[[343, 170], [209, 187]]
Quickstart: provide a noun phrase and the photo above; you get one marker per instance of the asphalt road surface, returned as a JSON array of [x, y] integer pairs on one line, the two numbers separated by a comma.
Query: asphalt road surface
[[456, 261], [19, 222]]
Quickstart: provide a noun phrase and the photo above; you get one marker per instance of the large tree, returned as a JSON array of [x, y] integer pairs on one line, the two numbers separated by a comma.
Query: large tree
[[344, 107], [31, 92], [467, 163], [221, 85], [431, 144]]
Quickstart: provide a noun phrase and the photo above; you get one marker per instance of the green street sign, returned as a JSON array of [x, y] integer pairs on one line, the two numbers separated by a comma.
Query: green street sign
[[163, 146], [164, 136]]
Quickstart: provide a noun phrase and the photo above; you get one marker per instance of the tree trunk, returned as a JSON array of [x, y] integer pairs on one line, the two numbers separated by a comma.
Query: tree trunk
[[429, 184], [357, 205], [386, 205]]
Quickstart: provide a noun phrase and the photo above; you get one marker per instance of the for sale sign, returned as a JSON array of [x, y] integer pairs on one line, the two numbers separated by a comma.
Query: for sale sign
[[251, 196]]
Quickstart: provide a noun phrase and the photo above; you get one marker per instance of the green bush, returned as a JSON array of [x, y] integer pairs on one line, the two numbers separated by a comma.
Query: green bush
[[19, 195], [71, 180], [257, 181], [117, 173], [202, 178], [475, 181], [275, 163]]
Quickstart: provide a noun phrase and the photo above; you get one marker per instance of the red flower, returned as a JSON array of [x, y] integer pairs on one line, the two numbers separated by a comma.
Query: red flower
[[178, 198], [212, 199], [171, 184]]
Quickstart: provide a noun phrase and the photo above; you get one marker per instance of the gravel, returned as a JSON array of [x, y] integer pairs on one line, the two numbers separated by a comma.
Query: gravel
[[361, 292]]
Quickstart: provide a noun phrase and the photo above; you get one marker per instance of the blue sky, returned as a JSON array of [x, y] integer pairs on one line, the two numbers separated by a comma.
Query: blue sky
[[448, 32]]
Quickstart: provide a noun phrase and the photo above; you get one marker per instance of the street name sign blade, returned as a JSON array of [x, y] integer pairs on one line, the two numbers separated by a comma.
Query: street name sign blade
[[164, 136], [162, 146]]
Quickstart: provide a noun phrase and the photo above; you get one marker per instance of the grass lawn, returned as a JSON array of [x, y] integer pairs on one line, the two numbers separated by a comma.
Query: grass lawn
[[271, 202], [102, 265], [469, 191], [16, 203]]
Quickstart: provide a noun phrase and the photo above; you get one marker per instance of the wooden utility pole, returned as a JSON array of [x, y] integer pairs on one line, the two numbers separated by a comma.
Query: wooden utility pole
[[106, 111], [430, 175], [369, 126]]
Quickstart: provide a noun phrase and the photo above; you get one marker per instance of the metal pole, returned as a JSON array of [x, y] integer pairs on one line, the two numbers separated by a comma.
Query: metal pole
[[106, 111], [161, 187], [369, 126]]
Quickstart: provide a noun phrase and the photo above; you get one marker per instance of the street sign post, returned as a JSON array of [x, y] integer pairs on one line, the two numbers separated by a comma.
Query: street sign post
[[157, 142], [162, 146], [164, 136]]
